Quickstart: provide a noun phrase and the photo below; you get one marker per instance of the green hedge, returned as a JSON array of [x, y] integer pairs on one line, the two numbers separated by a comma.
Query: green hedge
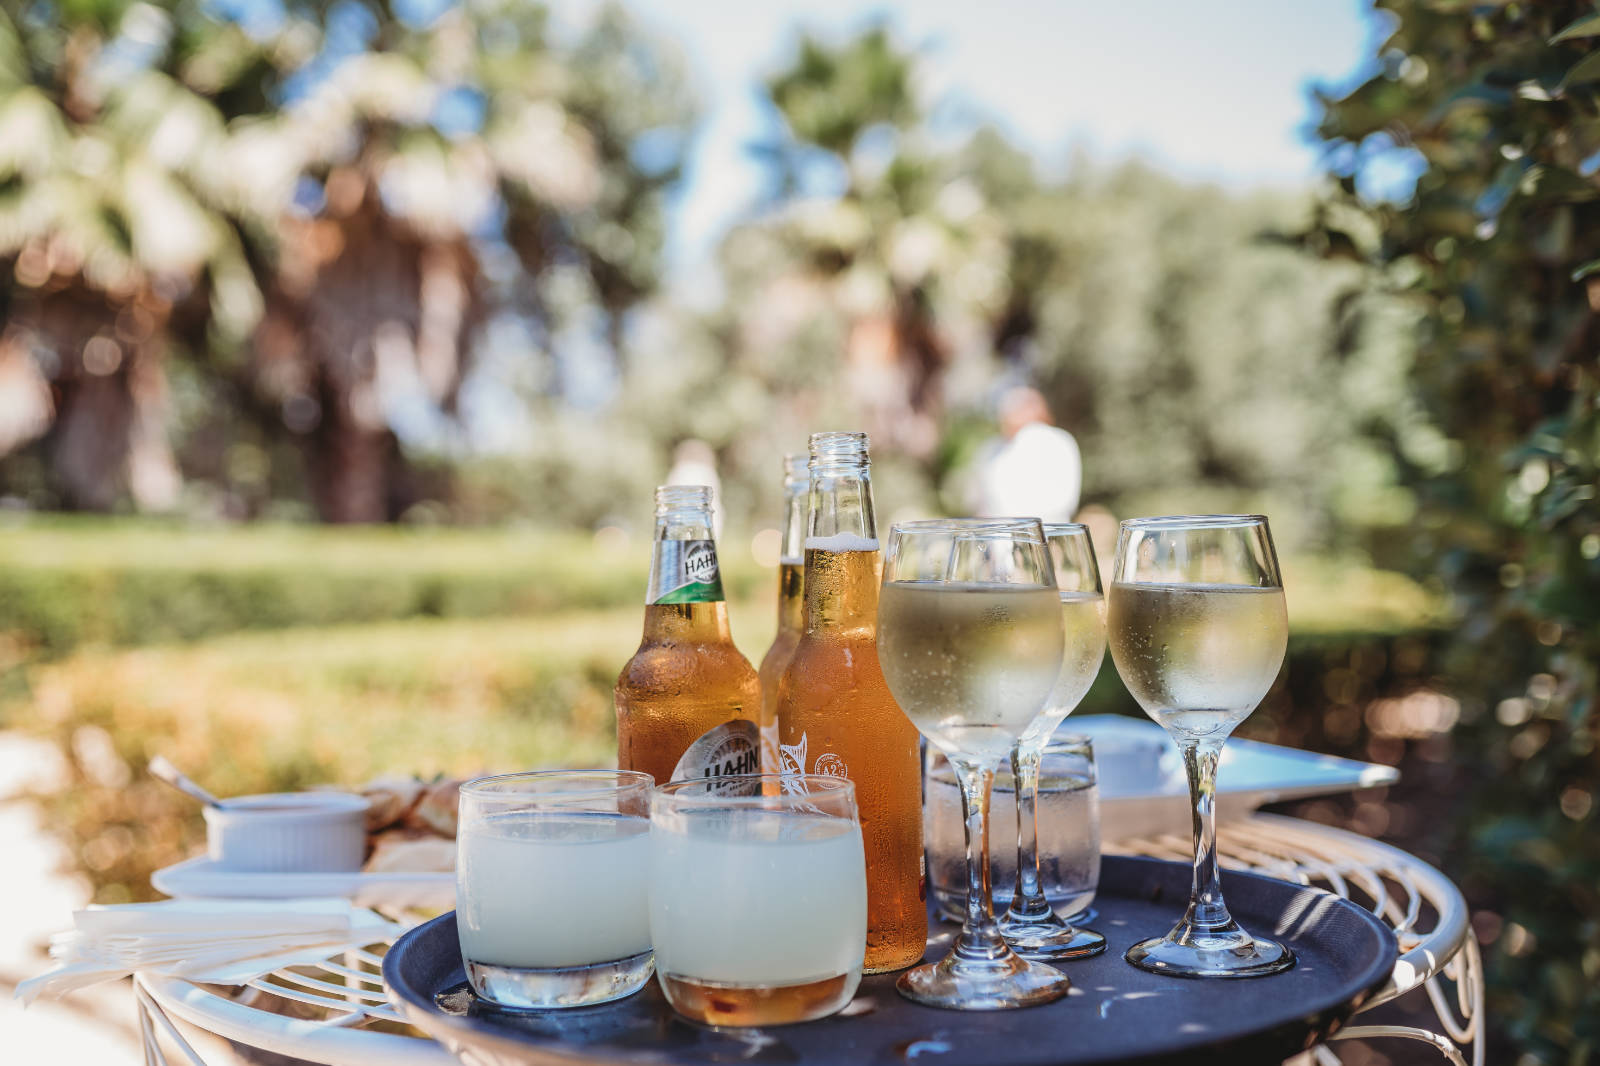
[[66, 583]]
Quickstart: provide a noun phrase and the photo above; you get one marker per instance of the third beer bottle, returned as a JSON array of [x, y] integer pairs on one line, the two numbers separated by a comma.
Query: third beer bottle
[[687, 701], [835, 714], [791, 602]]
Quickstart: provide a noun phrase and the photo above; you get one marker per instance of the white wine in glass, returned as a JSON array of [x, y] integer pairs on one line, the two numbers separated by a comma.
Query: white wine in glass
[[969, 638], [972, 660], [1197, 627], [1198, 658], [1083, 621], [1030, 925]]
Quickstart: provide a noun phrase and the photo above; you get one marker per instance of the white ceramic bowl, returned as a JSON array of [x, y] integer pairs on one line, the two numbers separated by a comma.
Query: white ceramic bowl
[[288, 832]]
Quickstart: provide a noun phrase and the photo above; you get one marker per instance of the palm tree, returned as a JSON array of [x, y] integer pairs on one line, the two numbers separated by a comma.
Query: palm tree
[[886, 245], [109, 229], [356, 193], [429, 162]]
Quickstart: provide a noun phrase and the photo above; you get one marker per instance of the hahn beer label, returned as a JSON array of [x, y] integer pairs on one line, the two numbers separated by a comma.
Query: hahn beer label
[[730, 748], [686, 571]]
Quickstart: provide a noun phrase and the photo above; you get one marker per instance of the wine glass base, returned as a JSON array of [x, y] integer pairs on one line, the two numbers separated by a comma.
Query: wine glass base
[[1235, 954], [999, 984], [1051, 939]]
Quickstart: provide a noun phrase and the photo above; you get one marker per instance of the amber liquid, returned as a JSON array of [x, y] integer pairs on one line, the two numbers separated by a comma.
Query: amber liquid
[[686, 678], [719, 1004], [834, 701], [791, 621]]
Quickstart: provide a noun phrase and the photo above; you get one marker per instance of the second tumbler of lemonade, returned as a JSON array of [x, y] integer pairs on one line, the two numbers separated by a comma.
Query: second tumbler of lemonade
[[835, 714]]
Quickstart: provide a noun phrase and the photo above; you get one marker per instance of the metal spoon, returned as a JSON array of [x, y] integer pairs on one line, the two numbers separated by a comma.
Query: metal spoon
[[162, 770]]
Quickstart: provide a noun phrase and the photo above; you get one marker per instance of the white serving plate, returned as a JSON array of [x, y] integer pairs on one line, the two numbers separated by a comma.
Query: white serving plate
[[201, 878], [1146, 796]]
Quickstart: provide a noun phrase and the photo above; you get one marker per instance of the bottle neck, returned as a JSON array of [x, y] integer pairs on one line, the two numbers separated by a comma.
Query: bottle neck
[[841, 514], [792, 556], [791, 595], [842, 593], [796, 505], [683, 564], [687, 623], [843, 566]]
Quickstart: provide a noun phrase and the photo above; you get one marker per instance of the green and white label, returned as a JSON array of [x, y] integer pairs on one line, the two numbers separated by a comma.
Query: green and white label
[[686, 571]]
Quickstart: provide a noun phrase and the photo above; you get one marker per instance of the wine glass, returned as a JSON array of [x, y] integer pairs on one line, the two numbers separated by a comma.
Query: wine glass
[[1029, 925], [1198, 628], [969, 639]]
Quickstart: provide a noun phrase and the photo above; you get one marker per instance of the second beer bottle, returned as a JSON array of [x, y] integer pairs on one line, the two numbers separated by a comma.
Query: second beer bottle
[[834, 711]]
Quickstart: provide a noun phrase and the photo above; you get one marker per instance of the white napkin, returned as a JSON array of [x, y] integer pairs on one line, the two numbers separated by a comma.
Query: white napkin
[[214, 941]]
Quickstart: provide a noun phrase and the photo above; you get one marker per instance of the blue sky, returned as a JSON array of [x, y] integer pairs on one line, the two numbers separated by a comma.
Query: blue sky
[[1214, 90]]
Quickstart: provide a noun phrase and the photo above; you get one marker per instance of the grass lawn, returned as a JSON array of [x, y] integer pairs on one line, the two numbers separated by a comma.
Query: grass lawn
[[285, 709]]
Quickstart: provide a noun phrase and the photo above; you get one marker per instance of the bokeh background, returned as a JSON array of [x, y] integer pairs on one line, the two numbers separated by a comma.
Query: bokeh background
[[341, 345]]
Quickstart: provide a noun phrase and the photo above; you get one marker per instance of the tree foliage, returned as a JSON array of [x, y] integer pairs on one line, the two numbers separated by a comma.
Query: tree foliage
[[1497, 106], [1201, 362], [337, 197], [113, 233]]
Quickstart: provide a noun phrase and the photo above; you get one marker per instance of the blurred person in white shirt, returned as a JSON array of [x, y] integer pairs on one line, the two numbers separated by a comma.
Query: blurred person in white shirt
[[1034, 470]]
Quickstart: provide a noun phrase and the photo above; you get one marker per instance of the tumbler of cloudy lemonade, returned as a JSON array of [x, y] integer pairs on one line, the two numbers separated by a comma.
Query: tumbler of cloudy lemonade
[[551, 890], [758, 897]]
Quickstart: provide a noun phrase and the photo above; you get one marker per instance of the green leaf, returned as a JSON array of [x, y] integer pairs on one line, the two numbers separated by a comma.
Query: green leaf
[[1476, 95], [1591, 267], [1556, 184], [1585, 70], [1587, 26]]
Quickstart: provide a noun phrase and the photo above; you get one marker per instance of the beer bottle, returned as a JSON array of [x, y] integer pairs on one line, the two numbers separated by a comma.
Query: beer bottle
[[687, 701], [835, 713], [791, 602]]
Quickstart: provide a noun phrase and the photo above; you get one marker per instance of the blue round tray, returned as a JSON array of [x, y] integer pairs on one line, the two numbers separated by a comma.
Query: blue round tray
[[1114, 1013]]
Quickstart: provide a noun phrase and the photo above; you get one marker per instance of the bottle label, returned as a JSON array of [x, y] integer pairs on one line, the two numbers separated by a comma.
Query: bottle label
[[730, 748], [792, 760], [686, 571]]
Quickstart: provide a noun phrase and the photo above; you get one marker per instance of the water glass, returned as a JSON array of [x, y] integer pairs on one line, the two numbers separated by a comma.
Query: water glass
[[758, 897], [552, 902], [1069, 832]]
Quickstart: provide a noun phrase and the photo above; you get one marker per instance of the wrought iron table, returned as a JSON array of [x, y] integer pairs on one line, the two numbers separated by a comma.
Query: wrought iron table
[[337, 1012]]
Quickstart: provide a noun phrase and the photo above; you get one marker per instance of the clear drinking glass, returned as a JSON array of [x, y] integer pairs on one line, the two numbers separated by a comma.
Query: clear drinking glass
[[1198, 629], [970, 642], [1029, 924], [552, 905], [1068, 815], [758, 897]]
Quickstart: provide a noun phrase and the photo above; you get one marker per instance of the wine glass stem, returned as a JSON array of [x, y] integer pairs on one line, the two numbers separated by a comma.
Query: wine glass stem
[[980, 938], [1028, 901], [1207, 911]]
